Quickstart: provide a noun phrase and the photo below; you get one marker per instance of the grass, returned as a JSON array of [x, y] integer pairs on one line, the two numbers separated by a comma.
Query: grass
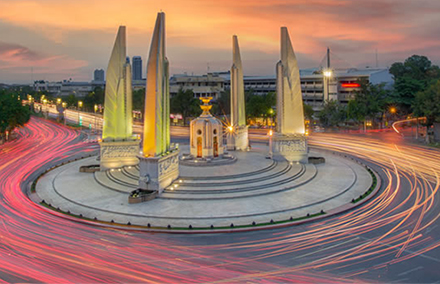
[[370, 190], [43, 203]]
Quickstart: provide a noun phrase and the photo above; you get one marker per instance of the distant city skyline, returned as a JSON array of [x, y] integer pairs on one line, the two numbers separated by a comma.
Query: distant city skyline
[[55, 40]]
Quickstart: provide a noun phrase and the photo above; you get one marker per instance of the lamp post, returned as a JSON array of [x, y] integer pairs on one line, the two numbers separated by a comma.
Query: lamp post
[[64, 112], [58, 100], [95, 108], [45, 107], [271, 117], [229, 139], [327, 76], [80, 104], [270, 144]]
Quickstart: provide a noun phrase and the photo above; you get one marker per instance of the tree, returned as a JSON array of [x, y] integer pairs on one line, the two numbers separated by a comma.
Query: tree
[[71, 100], [308, 112], [96, 97], [410, 77], [139, 100], [224, 103], [12, 112], [370, 102], [260, 105], [185, 103], [332, 114], [427, 103]]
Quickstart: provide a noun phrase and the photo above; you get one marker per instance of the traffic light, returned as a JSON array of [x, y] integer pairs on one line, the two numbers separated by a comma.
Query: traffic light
[[80, 121]]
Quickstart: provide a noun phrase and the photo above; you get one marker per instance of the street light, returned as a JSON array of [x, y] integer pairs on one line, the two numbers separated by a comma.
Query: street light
[[271, 116], [80, 103], [64, 104], [328, 73], [95, 108], [270, 144], [58, 101], [45, 107], [327, 76]]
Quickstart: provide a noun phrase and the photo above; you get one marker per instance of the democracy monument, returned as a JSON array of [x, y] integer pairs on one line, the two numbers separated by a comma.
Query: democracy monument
[[216, 181]]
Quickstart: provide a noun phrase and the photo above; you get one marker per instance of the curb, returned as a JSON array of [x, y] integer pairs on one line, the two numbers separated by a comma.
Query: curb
[[206, 230]]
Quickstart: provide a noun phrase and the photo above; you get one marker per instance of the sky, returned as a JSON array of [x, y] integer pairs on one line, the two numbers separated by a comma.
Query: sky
[[61, 39]]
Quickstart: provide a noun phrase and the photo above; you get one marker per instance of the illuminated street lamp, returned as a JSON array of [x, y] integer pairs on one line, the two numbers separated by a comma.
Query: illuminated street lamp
[[58, 101], [45, 107], [393, 110], [80, 104], [95, 108], [64, 105], [270, 144], [271, 116], [328, 74]]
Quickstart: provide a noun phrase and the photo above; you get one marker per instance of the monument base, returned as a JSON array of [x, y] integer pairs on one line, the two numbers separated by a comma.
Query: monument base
[[238, 140], [156, 173], [117, 154], [292, 147]]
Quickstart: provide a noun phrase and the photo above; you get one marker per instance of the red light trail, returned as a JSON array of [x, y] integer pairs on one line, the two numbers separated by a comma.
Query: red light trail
[[394, 228]]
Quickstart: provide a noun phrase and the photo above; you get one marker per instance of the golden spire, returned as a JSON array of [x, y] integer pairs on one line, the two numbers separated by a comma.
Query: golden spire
[[206, 107]]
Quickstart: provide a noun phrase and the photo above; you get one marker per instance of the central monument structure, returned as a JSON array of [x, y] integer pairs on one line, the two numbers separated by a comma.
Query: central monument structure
[[289, 140], [206, 134], [118, 147], [159, 162], [237, 138]]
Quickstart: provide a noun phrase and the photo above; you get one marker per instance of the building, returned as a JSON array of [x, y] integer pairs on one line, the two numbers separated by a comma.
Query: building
[[137, 68], [210, 85], [79, 89], [53, 88], [343, 84], [67, 87], [99, 75]]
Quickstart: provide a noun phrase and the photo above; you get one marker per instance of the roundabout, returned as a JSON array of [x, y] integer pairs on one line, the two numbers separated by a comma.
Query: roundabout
[[393, 237], [253, 192]]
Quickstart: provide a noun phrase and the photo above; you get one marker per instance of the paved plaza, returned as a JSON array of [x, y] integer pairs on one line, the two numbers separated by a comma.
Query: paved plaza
[[253, 189]]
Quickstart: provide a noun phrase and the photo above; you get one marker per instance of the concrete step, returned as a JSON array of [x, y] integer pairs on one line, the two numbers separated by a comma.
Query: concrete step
[[250, 184], [309, 173]]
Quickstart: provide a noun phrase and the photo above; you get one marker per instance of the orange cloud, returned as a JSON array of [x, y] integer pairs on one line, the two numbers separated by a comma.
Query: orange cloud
[[353, 29]]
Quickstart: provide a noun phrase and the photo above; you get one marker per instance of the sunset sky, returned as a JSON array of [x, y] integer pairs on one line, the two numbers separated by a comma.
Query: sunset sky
[[63, 39]]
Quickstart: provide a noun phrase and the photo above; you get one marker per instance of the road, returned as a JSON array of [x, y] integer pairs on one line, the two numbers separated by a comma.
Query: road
[[395, 237]]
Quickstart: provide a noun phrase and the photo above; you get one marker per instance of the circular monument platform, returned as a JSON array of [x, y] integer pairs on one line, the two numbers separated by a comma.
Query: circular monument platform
[[253, 190]]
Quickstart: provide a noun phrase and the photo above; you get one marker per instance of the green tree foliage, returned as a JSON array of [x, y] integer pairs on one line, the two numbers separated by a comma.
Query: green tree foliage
[[308, 112], [260, 105], [139, 100], [427, 103], [332, 114], [94, 98], [185, 104], [224, 103], [12, 113], [410, 77], [71, 100], [370, 102]]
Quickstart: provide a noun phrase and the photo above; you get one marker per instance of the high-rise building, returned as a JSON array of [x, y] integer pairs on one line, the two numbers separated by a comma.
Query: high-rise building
[[127, 59], [98, 75], [137, 68]]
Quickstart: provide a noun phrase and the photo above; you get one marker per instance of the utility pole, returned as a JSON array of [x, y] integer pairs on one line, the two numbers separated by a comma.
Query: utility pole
[[377, 59]]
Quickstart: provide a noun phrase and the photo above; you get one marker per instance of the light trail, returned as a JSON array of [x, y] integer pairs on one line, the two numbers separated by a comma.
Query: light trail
[[392, 229]]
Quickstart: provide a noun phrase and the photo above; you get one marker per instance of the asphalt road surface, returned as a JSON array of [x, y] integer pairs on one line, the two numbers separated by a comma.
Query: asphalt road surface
[[394, 237]]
